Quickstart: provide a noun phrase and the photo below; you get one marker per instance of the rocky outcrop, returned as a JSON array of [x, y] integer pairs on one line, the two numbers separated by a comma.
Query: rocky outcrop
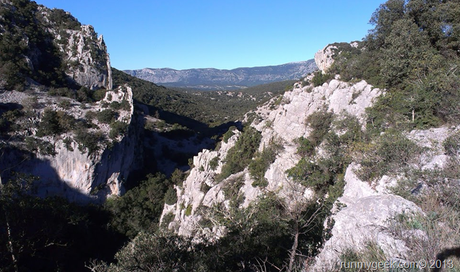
[[324, 58], [365, 219], [363, 215], [215, 79], [85, 55], [56, 49], [72, 171], [284, 124], [369, 209]]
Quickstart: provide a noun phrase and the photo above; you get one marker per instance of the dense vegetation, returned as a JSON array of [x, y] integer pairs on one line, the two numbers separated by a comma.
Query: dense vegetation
[[414, 52], [210, 108], [27, 48]]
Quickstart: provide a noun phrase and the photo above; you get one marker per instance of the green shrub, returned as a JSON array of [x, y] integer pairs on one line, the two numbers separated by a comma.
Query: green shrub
[[240, 155], [88, 141], [391, 152], [90, 115], [40, 146], [49, 124], [98, 95], [214, 163], [140, 208], [204, 187], [124, 105], [117, 128], [54, 123], [452, 144], [84, 95], [66, 92], [231, 191], [319, 78], [188, 210], [320, 122], [167, 218], [228, 134], [107, 116], [9, 120], [170, 196], [259, 165], [305, 147], [68, 143], [65, 104]]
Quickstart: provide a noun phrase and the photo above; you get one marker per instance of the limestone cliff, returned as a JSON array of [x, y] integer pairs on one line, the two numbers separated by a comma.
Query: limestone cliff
[[64, 164], [84, 54], [50, 47], [51, 131], [366, 213], [285, 123]]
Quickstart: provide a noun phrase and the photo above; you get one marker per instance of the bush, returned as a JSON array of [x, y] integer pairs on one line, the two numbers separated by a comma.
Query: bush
[[124, 105], [452, 145], [40, 146], [239, 156], [259, 165], [88, 141], [320, 122], [390, 153], [54, 123], [319, 78], [66, 92], [117, 128], [90, 115], [231, 191], [228, 134], [68, 143], [170, 196], [65, 104], [98, 95], [107, 116], [188, 210], [305, 147], [214, 163], [141, 207]]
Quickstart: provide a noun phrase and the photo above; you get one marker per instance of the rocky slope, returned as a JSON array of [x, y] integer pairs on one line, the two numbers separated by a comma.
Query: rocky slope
[[285, 123], [83, 52], [51, 47], [366, 213], [63, 163], [73, 145], [215, 79]]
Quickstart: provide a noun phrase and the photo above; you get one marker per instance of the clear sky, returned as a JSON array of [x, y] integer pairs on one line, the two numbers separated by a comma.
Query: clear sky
[[222, 34]]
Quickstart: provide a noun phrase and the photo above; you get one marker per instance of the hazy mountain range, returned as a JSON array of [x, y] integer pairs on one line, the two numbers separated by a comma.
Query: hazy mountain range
[[216, 79]]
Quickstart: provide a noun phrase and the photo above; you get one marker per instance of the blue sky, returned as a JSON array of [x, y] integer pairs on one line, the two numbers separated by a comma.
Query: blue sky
[[222, 34]]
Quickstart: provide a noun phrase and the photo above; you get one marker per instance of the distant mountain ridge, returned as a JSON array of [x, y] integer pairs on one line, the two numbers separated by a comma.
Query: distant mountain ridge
[[217, 79]]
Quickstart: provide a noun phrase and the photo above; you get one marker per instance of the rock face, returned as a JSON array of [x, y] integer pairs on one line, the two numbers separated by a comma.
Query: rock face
[[370, 210], [84, 54], [366, 218], [71, 171], [215, 79], [289, 116], [61, 52], [324, 58], [50, 47], [363, 214]]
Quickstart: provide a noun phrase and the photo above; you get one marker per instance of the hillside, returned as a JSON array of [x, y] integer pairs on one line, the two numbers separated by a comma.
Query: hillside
[[209, 108], [354, 165], [215, 79]]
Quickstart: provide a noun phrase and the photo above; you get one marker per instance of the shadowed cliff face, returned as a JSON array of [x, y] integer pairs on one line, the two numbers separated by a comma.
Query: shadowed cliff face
[[94, 162]]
